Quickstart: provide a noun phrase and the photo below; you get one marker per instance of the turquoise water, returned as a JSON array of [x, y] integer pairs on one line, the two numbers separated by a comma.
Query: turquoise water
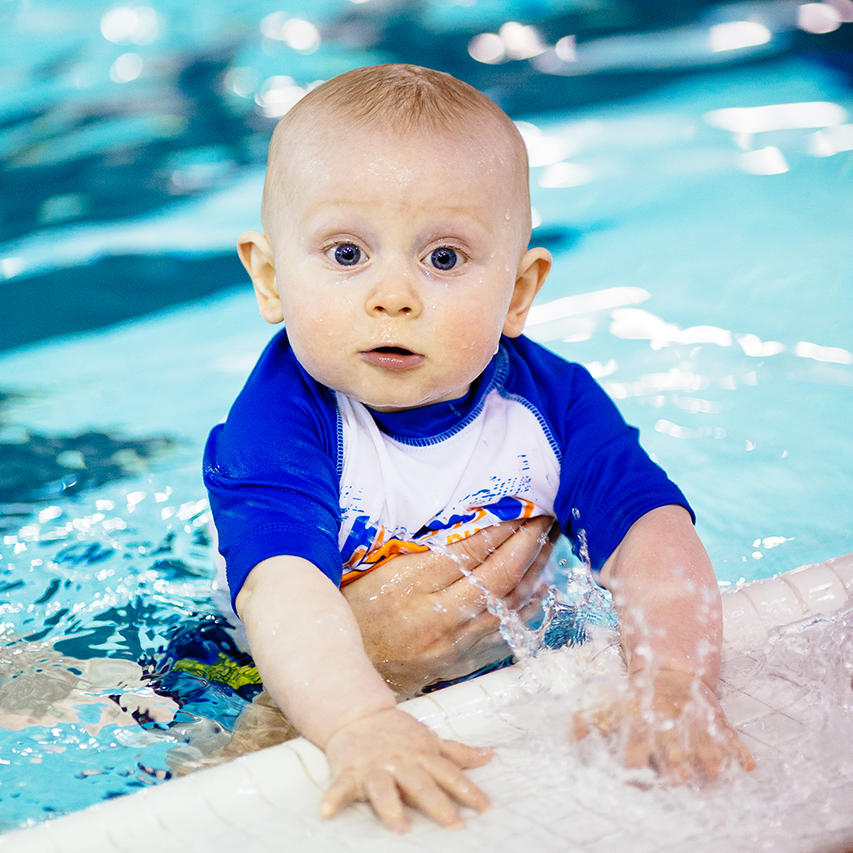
[[703, 272]]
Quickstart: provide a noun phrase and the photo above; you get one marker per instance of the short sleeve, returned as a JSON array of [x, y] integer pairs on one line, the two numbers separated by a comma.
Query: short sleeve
[[607, 480], [271, 470]]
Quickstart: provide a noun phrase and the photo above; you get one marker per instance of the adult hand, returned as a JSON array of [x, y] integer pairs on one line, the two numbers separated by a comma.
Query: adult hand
[[671, 721], [423, 620]]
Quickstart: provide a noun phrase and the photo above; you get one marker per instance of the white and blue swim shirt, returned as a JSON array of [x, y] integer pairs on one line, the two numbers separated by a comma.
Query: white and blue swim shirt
[[298, 469]]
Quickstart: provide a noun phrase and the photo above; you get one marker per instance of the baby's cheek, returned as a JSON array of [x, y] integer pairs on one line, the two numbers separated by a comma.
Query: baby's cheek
[[476, 340], [313, 338], [313, 316]]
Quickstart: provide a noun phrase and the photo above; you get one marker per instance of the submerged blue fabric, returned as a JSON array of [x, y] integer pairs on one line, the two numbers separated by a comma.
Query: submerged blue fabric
[[273, 468]]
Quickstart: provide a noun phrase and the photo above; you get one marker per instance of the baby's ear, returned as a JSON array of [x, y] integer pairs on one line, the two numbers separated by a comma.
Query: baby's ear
[[533, 269], [256, 255]]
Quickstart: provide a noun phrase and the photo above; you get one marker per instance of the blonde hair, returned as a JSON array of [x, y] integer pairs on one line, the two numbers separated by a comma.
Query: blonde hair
[[406, 99]]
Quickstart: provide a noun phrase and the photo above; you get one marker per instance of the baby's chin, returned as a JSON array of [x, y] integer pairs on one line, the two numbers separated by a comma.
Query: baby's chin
[[383, 405], [391, 403]]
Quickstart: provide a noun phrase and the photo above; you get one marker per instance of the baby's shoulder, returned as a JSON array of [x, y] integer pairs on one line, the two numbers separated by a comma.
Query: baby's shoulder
[[536, 373]]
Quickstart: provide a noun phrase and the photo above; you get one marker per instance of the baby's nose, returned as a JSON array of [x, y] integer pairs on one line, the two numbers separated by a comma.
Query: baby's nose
[[395, 298]]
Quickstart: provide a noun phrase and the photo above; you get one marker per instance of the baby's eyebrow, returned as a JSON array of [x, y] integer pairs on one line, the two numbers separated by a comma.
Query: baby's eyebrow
[[336, 216], [446, 223], [357, 218]]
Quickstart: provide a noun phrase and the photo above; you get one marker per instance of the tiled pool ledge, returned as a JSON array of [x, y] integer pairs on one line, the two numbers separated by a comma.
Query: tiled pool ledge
[[544, 796]]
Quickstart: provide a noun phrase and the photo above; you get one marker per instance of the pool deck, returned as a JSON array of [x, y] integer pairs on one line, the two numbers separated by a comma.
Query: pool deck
[[546, 794]]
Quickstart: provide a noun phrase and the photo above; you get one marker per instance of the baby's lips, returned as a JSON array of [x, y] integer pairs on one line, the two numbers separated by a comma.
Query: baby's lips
[[392, 357]]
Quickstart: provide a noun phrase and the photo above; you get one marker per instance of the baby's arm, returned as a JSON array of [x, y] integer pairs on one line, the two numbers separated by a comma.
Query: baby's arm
[[309, 653], [670, 615]]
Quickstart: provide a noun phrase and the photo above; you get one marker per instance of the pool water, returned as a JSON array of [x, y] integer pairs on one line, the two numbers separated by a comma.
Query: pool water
[[702, 271]]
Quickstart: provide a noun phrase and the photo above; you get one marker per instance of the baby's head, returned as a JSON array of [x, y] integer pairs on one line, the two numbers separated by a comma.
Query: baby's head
[[396, 216]]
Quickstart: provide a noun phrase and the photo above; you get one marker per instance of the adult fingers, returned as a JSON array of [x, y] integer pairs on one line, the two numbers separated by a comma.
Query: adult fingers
[[532, 585], [475, 623], [481, 636], [501, 571], [518, 559], [429, 571], [533, 607], [446, 565]]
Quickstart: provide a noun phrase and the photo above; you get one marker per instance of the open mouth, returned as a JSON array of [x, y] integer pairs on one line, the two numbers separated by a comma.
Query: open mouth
[[392, 357], [394, 350]]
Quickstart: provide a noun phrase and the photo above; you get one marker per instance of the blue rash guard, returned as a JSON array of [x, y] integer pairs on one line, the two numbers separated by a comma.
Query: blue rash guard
[[301, 470]]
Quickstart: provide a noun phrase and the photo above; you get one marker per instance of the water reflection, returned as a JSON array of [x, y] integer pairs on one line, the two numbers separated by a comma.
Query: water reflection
[[38, 467], [737, 35], [277, 95], [832, 355], [820, 18], [831, 141], [103, 102], [126, 68], [131, 25], [512, 41], [764, 119]]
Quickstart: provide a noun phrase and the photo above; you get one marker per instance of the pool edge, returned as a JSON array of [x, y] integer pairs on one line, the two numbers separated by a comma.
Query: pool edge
[[161, 815]]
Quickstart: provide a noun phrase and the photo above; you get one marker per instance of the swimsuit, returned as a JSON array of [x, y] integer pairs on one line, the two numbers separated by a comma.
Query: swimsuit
[[302, 470]]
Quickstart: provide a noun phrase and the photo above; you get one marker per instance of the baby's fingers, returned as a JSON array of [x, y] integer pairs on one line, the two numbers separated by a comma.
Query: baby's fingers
[[726, 748], [604, 718], [379, 789], [423, 793], [456, 783], [638, 748], [731, 747], [743, 755], [580, 726], [343, 791], [384, 797], [463, 755]]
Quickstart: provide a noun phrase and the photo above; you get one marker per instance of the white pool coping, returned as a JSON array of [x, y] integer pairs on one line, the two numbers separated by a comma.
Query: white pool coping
[[269, 800]]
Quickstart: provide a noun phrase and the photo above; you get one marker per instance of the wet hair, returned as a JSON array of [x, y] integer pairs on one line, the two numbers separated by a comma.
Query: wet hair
[[404, 99]]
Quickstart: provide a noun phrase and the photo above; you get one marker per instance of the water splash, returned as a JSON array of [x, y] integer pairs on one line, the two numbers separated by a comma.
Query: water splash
[[791, 700], [572, 604], [94, 594]]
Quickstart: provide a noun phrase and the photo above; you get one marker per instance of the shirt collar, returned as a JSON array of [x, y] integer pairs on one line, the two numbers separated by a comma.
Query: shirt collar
[[437, 418]]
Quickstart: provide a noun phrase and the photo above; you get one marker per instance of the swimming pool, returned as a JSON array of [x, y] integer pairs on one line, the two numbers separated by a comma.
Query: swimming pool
[[702, 272]]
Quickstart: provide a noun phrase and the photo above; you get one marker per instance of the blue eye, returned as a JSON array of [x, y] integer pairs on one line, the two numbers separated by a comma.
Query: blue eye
[[347, 254], [444, 258]]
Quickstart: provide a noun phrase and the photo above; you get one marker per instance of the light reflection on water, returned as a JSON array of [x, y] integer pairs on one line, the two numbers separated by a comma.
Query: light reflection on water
[[99, 600], [719, 205]]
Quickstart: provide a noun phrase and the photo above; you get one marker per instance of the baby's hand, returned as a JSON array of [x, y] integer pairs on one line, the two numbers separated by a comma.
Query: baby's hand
[[673, 723], [389, 758]]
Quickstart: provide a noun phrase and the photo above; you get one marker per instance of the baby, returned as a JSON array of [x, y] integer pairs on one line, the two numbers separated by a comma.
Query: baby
[[402, 410]]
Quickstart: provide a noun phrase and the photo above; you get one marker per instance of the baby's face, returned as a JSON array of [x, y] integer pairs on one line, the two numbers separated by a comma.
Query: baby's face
[[395, 260]]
